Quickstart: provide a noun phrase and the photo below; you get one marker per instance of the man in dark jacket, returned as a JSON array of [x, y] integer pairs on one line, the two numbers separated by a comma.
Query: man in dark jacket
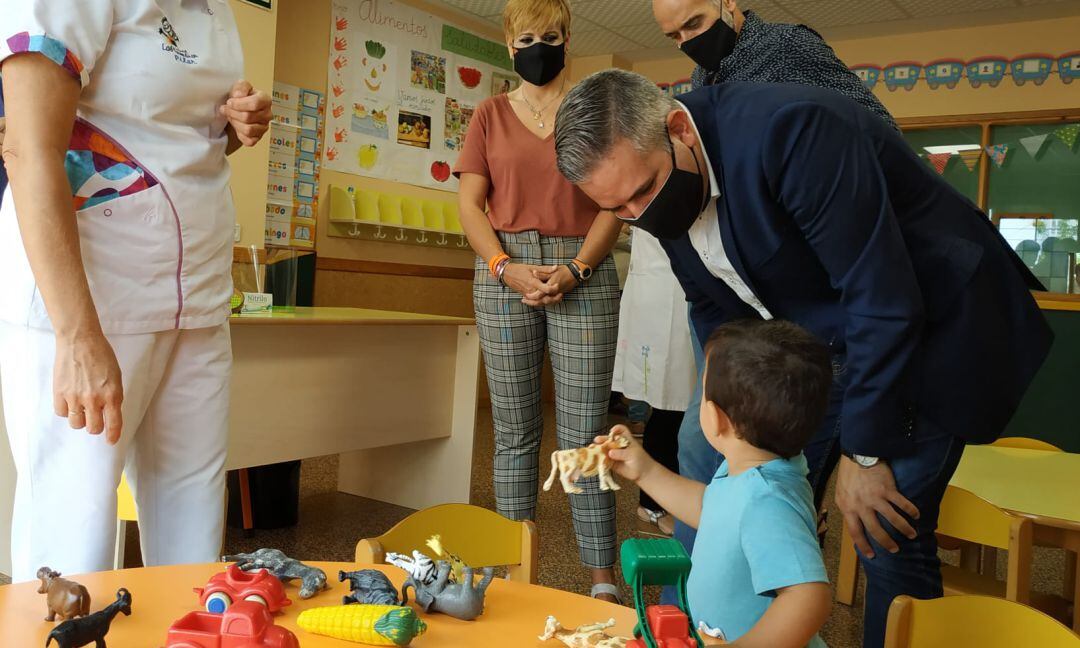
[[779, 200]]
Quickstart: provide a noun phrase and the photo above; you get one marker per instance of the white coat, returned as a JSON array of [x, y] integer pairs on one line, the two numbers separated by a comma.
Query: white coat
[[654, 361]]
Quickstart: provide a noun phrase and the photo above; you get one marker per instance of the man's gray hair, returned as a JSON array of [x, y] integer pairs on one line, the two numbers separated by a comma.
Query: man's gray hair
[[603, 108]]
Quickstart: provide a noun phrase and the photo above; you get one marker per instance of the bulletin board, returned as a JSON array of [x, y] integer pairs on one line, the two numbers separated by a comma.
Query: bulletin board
[[292, 183], [403, 86]]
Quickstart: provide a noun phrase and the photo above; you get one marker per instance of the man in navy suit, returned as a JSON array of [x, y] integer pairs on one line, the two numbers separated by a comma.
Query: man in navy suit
[[787, 201]]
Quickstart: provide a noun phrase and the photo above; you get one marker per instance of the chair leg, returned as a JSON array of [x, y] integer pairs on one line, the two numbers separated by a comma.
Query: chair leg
[[848, 575], [970, 556], [1072, 584], [245, 503], [988, 563], [121, 542]]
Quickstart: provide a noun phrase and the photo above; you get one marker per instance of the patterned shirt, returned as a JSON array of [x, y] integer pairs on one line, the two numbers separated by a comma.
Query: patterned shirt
[[780, 53]]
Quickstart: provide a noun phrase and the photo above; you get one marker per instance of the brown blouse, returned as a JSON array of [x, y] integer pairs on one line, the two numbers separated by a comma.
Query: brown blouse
[[527, 191]]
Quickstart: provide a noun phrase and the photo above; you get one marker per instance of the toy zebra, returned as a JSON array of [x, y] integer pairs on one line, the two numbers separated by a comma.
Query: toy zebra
[[420, 566]]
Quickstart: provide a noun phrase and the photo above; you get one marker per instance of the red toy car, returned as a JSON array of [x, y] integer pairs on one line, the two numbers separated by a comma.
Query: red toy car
[[234, 585], [670, 627], [246, 624]]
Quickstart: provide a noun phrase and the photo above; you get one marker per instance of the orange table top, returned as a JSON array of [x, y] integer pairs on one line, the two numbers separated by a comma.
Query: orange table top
[[514, 613]]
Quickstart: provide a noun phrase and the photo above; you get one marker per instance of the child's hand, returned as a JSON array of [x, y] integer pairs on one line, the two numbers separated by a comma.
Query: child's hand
[[631, 462]]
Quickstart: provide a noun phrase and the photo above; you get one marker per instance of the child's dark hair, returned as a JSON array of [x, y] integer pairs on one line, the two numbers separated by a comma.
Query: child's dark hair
[[772, 379]]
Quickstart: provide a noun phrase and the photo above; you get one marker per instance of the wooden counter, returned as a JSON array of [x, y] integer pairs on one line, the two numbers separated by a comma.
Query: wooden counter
[[394, 394], [352, 316], [1057, 301]]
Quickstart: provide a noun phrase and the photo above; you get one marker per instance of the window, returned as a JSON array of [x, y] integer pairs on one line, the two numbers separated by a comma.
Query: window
[[1033, 197], [955, 141]]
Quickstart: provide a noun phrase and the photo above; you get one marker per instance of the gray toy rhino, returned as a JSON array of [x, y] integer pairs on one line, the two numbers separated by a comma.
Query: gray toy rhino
[[312, 579], [464, 600], [368, 586]]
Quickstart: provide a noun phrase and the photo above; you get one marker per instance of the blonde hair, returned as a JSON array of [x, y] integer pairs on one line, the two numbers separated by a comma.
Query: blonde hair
[[522, 15]]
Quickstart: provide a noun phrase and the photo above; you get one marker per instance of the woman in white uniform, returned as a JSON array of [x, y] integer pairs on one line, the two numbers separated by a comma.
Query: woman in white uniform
[[115, 252], [654, 362]]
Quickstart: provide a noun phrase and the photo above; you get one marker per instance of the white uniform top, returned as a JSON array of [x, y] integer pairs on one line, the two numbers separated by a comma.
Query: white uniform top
[[654, 361], [705, 238], [146, 162]]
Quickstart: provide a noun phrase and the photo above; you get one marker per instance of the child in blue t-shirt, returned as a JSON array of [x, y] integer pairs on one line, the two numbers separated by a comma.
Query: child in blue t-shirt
[[757, 578]]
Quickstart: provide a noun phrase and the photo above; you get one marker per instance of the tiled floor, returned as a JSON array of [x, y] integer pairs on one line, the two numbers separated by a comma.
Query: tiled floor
[[331, 523]]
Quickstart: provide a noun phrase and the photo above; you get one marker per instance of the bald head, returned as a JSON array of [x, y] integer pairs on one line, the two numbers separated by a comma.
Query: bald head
[[681, 20]]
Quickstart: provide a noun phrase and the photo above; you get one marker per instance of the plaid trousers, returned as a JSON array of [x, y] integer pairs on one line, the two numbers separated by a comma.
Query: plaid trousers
[[580, 332]]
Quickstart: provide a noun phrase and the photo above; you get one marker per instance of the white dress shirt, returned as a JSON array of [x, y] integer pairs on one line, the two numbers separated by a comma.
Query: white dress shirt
[[705, 238]]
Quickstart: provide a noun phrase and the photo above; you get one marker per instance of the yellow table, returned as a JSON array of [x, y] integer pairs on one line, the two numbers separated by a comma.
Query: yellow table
[[1036, 484], [514, 612]]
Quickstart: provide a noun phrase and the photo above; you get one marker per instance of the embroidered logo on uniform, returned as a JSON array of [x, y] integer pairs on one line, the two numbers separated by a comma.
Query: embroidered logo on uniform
[[172, 44]]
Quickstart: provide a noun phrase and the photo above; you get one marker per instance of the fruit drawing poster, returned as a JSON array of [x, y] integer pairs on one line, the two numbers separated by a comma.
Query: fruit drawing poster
[[403, 86]]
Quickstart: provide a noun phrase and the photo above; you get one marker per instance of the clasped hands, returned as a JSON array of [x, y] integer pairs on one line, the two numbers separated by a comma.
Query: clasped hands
[[539, 285]]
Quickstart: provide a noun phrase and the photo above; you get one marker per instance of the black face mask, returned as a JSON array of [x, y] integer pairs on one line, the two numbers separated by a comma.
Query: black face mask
[[539, 63], [677, 205], [709, 48]]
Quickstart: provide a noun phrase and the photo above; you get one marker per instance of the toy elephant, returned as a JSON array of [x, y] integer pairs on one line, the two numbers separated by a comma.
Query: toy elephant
[[464, 600], [312, 579], [368, 586], [64, 598]]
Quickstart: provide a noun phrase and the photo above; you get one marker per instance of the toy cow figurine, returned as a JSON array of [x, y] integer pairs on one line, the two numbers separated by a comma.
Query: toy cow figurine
[[312, 579], [368, 586], [591, 460], [464, 600], [64, 598], [90, 629]]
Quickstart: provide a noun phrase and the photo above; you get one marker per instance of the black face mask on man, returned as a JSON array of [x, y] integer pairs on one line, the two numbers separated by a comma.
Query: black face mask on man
[[677, 205], [539, 63], [709, 48]]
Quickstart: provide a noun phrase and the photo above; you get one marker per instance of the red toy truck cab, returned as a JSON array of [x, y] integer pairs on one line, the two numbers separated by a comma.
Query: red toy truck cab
[[246, 624], [234, 585], [670, 627]]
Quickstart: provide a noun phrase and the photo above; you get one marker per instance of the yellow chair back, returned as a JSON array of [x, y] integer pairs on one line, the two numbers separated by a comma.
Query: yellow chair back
[[125, 502], [481, 538], [967, 516], [1025, 443], [981, 621]]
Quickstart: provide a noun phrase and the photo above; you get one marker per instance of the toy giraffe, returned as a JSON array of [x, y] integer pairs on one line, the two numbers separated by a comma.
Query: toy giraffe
[[585, 636]]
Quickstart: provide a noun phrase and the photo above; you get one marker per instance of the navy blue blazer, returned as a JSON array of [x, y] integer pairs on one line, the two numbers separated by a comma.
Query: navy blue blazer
[[836, 224]]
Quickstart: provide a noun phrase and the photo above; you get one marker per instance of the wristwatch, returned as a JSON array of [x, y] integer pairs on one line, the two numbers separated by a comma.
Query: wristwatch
[[863, 461], [581, 270]]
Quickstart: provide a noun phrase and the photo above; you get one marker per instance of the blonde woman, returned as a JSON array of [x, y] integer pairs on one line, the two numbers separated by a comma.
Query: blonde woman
[[544, 278]]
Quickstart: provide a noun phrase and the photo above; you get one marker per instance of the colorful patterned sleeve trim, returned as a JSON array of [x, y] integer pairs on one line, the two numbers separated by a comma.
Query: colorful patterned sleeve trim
[[53, 49]]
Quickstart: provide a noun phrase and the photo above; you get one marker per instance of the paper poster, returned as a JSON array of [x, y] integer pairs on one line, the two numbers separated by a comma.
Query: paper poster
[[402, 88], [292, 186]]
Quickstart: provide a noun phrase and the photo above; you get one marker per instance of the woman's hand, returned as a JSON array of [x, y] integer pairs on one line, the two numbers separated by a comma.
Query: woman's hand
[[249, 113], [558, 281], [525, 280], [87, 386], [631, 462]]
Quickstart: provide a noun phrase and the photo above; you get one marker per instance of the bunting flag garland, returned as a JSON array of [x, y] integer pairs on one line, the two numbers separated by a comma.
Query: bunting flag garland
[[997, 153], [971, 158], [939, 161], [1034, 144], [1068, 134]]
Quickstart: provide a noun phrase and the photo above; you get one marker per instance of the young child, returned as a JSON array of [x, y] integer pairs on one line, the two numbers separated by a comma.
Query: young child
[[757, 578]]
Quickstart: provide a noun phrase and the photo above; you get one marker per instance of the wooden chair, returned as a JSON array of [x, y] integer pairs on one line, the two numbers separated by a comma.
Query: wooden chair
[[481, 538], [988, 559], [1025, 443], [981, 621], [125, 512], [969, 518]]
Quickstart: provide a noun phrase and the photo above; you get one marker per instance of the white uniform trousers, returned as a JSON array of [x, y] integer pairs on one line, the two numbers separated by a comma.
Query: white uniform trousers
[[176, 406]]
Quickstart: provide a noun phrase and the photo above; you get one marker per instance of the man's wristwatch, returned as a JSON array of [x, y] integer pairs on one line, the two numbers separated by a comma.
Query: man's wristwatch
[[863, 461]]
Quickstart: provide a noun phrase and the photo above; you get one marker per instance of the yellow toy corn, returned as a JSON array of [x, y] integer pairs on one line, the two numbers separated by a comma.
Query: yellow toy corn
[[377, 625]]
